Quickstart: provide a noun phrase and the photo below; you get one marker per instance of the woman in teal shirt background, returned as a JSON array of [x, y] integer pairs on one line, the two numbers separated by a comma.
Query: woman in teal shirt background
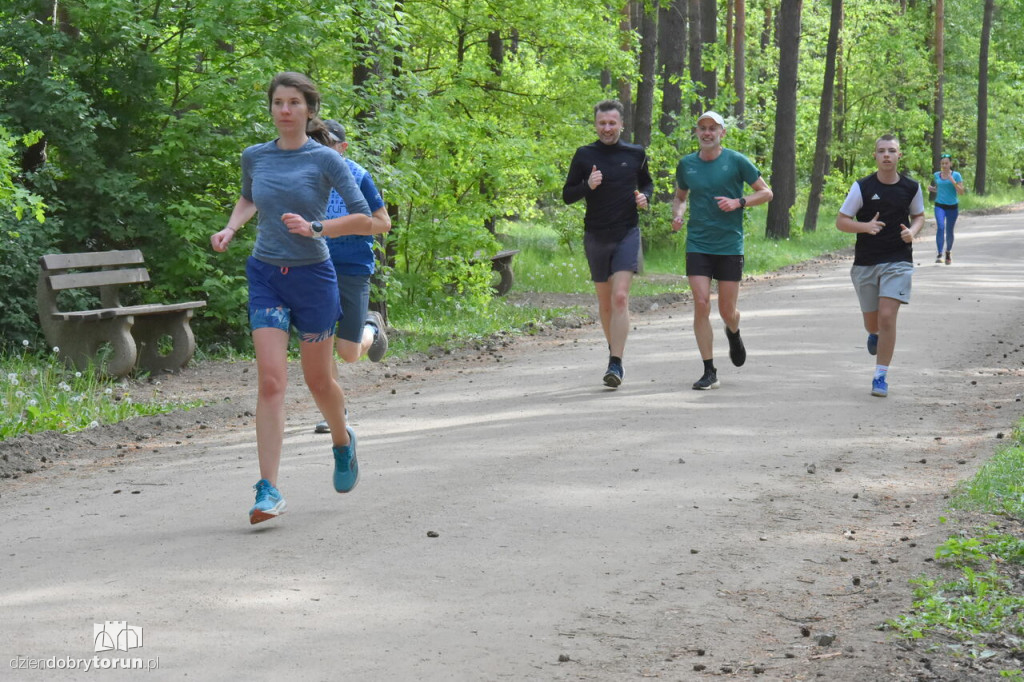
[[947, 187]]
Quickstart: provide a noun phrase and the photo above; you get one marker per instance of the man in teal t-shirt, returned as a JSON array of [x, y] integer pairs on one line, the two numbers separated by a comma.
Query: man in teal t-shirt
[[713, 180]]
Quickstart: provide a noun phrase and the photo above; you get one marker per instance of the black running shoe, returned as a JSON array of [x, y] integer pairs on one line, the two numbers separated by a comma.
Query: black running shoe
[[613, 375], [737, 353], [707, 382]]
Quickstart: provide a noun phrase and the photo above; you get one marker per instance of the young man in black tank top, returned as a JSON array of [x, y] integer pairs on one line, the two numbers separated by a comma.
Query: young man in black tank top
[[886, 211]]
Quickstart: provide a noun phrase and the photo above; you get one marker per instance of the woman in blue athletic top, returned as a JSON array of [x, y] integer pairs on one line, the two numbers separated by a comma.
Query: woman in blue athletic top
[[291, 279], [948, 185]]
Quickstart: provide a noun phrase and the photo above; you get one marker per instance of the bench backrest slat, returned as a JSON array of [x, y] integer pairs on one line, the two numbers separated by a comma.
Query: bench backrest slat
[[98, 278], [66, 261]]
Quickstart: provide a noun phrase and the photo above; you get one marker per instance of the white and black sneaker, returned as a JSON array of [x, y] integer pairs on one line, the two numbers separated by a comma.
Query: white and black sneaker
[[379, 347]]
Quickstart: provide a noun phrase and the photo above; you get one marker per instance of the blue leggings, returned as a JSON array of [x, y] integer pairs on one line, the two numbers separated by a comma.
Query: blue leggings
[[945, 219]]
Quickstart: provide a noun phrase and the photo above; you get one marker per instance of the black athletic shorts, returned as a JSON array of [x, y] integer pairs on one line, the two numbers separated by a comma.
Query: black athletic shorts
[[722, 268]]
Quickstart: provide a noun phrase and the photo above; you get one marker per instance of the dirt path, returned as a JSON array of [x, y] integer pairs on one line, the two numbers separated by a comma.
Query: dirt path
[[515, 520]]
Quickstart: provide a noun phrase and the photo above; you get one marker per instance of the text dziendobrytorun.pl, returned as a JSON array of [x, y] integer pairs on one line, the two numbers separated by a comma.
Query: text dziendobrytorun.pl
[[86, 664]]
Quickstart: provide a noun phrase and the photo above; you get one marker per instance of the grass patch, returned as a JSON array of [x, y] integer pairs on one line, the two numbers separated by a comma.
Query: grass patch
[[998, 488], [39, 393], [1003, 197], [551, 258], [979, 614]]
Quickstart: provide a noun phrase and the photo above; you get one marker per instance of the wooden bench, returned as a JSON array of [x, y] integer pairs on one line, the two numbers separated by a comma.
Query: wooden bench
[[135, 333]]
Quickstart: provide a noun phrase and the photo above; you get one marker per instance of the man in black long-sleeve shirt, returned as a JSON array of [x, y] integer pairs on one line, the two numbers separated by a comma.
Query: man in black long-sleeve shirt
[[613, 178]]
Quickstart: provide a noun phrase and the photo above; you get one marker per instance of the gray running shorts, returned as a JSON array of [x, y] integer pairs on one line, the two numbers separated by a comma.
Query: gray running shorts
[[885, 280]]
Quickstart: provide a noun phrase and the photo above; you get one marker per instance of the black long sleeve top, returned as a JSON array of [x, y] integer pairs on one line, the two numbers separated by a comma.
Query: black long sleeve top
[[611, 207]]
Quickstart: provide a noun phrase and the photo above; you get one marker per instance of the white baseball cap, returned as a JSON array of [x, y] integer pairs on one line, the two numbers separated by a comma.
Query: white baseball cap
[[714, 116]]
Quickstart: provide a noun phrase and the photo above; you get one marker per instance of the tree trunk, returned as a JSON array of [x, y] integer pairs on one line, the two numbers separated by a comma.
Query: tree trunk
[[709, 36], [625, 87], [940, 60], [727, 78], [644, 116], [982, 145], [766, 41], [784, 152], [740, 61], [839, 123], [696, 72], [821, 154], [671, 55]]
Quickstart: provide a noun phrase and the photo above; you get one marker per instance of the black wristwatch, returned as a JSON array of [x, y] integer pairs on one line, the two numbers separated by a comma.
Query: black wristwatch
[[743, 202], [318, 228]]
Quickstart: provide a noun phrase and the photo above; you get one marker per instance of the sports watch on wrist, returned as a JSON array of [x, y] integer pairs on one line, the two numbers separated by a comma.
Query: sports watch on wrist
[[318, 228], [743, 202]]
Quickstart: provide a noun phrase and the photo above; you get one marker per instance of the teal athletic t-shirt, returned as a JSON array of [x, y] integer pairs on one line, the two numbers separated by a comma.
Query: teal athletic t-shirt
[[946, 189], [710, 229]]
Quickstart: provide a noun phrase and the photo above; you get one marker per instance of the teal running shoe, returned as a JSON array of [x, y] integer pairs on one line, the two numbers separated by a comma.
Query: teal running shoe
[[269, 502], [346, 466]]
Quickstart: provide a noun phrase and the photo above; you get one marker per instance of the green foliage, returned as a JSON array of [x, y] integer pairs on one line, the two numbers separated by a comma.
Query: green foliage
[[23, 238], [998, 487], [15, 198], [545, 264], [979, 611], [145, 109], [22, 242], [39, 393]]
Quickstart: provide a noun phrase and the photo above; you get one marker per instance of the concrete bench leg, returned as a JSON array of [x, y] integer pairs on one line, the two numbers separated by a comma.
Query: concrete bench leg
[[150, 329], [80, 344], [503, 269]]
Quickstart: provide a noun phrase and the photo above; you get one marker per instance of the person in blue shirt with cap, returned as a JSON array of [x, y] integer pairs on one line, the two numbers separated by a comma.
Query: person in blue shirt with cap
[[360, 330]]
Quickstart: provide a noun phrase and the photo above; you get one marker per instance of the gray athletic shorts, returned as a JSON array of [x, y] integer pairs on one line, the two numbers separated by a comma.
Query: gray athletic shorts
[[885, 280], [607, 258], [355, 300]]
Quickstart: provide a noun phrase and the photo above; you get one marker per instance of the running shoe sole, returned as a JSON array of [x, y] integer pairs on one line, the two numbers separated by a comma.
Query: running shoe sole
[[261, 515], [612, 380]]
